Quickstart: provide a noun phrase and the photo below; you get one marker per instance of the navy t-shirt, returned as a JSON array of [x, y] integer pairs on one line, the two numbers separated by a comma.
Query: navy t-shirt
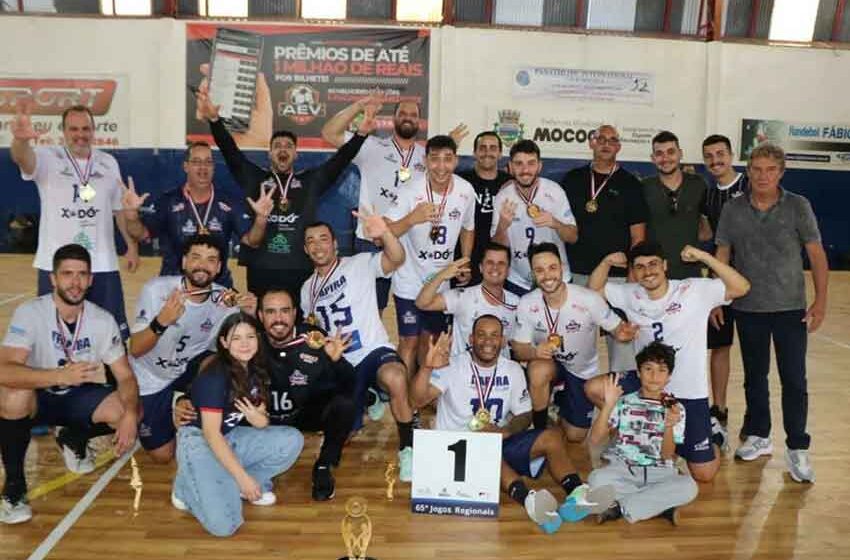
[[211, 392]]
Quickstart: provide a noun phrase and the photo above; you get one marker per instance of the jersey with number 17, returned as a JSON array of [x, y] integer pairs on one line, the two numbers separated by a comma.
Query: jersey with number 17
[[427, 254], [348, 303]]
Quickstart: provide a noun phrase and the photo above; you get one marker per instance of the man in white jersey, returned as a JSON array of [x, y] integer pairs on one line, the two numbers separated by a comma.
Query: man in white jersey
[[340, 296], [467, 304], [531, 210], [80, 189], [556, 332], [676, 313], [177, 318], [461, 384], [52, 371], [429, 218]]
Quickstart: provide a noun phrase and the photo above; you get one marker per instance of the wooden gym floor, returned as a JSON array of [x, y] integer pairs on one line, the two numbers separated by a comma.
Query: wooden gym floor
[[752, 510]]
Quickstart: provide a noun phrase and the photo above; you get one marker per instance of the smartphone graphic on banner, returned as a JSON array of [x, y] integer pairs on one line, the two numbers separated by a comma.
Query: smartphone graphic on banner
[[234, 65]]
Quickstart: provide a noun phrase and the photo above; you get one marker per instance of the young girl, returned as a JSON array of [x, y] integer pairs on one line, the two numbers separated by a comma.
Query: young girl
[[221, 459]]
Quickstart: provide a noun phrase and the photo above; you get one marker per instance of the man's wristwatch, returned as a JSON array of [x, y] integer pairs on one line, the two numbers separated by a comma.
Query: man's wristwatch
[[157, 327]]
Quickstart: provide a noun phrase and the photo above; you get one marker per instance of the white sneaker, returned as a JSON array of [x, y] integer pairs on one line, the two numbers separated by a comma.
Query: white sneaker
[[267, 499], [753, 448], [719, 435], [799, 465], [405, 464], [542, 508], [10, 513], [178, 503], [74, 462], [377, 408]]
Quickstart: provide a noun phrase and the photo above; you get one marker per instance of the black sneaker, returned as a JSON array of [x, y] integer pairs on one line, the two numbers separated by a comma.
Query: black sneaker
[[323, 483], [721, 415], [612, 513], [671, 515]]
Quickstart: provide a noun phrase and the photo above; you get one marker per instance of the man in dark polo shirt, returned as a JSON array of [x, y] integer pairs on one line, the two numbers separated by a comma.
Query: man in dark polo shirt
[[486, 178], [676, 202], [764, 233], [611, 214]]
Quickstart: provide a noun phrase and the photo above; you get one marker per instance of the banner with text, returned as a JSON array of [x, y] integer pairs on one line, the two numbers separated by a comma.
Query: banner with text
[[47, 96], [804, 143], [610, 86], [309, 73]]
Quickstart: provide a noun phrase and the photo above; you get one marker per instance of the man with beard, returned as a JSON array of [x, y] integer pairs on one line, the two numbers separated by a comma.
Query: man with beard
[[52, 372], [555, 333], [481, 390], [340, 297], [531, 210], [273, 250], [676, 202], [176, 318], [312, 385], [429, 218], [465, 305], [674, 312], [486, 178], [196, 207]]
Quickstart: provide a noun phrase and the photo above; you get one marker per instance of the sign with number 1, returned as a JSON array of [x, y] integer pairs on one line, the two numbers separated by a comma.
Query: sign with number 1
[[456, 473]]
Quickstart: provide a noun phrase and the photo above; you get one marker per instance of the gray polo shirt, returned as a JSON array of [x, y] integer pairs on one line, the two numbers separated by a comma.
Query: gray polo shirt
[[767, 250]]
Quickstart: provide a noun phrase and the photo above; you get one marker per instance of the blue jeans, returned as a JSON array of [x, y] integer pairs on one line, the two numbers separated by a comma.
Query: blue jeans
[[210, 491]]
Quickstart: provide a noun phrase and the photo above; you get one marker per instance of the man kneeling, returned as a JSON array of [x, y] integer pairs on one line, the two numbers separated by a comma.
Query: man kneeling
[[482, 375]]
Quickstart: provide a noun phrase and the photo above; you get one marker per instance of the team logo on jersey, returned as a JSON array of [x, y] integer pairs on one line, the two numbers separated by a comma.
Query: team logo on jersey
[[81, 214], [297, 378], [572, 327], [420, 167], [189, 227], [179, 207], [279, 244], [214, 224], [207, 325], [674, 307], [454, 214], [224, 207], [568, 356], [308, 358]]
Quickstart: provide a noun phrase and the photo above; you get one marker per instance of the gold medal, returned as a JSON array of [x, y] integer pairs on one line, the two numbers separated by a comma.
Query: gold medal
[[203, 230], [592, 206], [533, 211], [404, 174], [228, 299], [480, 420], [312, 320], [315, 340], [283, 204], [87, 192], [554, 340]]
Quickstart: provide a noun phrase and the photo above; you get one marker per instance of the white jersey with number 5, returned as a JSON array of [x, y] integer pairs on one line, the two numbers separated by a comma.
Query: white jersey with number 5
[[427, 256], [679, 319], [579, 319], [194, 332], [522, 232], [459, 398], [468, 304], [348, 303]]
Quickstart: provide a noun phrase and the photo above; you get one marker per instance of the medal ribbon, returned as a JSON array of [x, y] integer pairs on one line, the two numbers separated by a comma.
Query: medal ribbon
[[405, 157], [441, 209], [316, 286], [83, 177], [498, 300], [202, 224], [594, 192], [283, 190], [295, 341], [551, 323], [60, 326], [476, 376], [528, 200]]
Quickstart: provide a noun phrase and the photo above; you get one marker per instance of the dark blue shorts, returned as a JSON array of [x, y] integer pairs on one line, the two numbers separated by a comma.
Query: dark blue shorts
[[74, 407], [366, 373], [106, 291], [725, 335], [574, 406], [157, 425], [382, 285], [518, 291], [516, 451], [411, 320]]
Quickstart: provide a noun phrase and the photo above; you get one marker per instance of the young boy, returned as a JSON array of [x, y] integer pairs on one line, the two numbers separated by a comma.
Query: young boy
[[649, 424]]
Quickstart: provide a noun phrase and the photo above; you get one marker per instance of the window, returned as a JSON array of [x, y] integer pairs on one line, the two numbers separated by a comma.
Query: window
[[793, 20], [223, 8], [125, 7], [419, 10], [323, 9]]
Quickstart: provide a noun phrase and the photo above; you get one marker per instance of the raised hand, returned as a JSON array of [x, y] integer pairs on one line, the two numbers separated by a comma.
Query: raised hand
[[131, 200], [691, 254], [459, 132], [617, 259], [264, 204], [456, 269], [374, 226], [247, 302], [424, 212], [368, 124], [336, 345], [205, 109], [507, 211], [438, 352], [172, 309], [22, 128], [259, 128], [611, 390]]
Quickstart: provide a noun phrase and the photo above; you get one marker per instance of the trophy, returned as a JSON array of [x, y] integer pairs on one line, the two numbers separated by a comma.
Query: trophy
[[356, 530]]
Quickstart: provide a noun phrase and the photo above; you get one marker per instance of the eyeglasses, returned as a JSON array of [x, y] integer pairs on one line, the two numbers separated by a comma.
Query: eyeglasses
[[202, 162]]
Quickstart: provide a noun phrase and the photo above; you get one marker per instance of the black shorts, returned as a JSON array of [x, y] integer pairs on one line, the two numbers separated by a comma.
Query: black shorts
[[73, 406], [719, 338]]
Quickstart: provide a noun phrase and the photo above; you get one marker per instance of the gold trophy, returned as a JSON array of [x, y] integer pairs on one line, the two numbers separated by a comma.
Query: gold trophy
[[356, 530]]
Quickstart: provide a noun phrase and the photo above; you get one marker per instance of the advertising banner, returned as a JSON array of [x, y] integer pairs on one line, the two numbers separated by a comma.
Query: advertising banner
[[805, 143], [635, 88], [106, 96], [305, 75]]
